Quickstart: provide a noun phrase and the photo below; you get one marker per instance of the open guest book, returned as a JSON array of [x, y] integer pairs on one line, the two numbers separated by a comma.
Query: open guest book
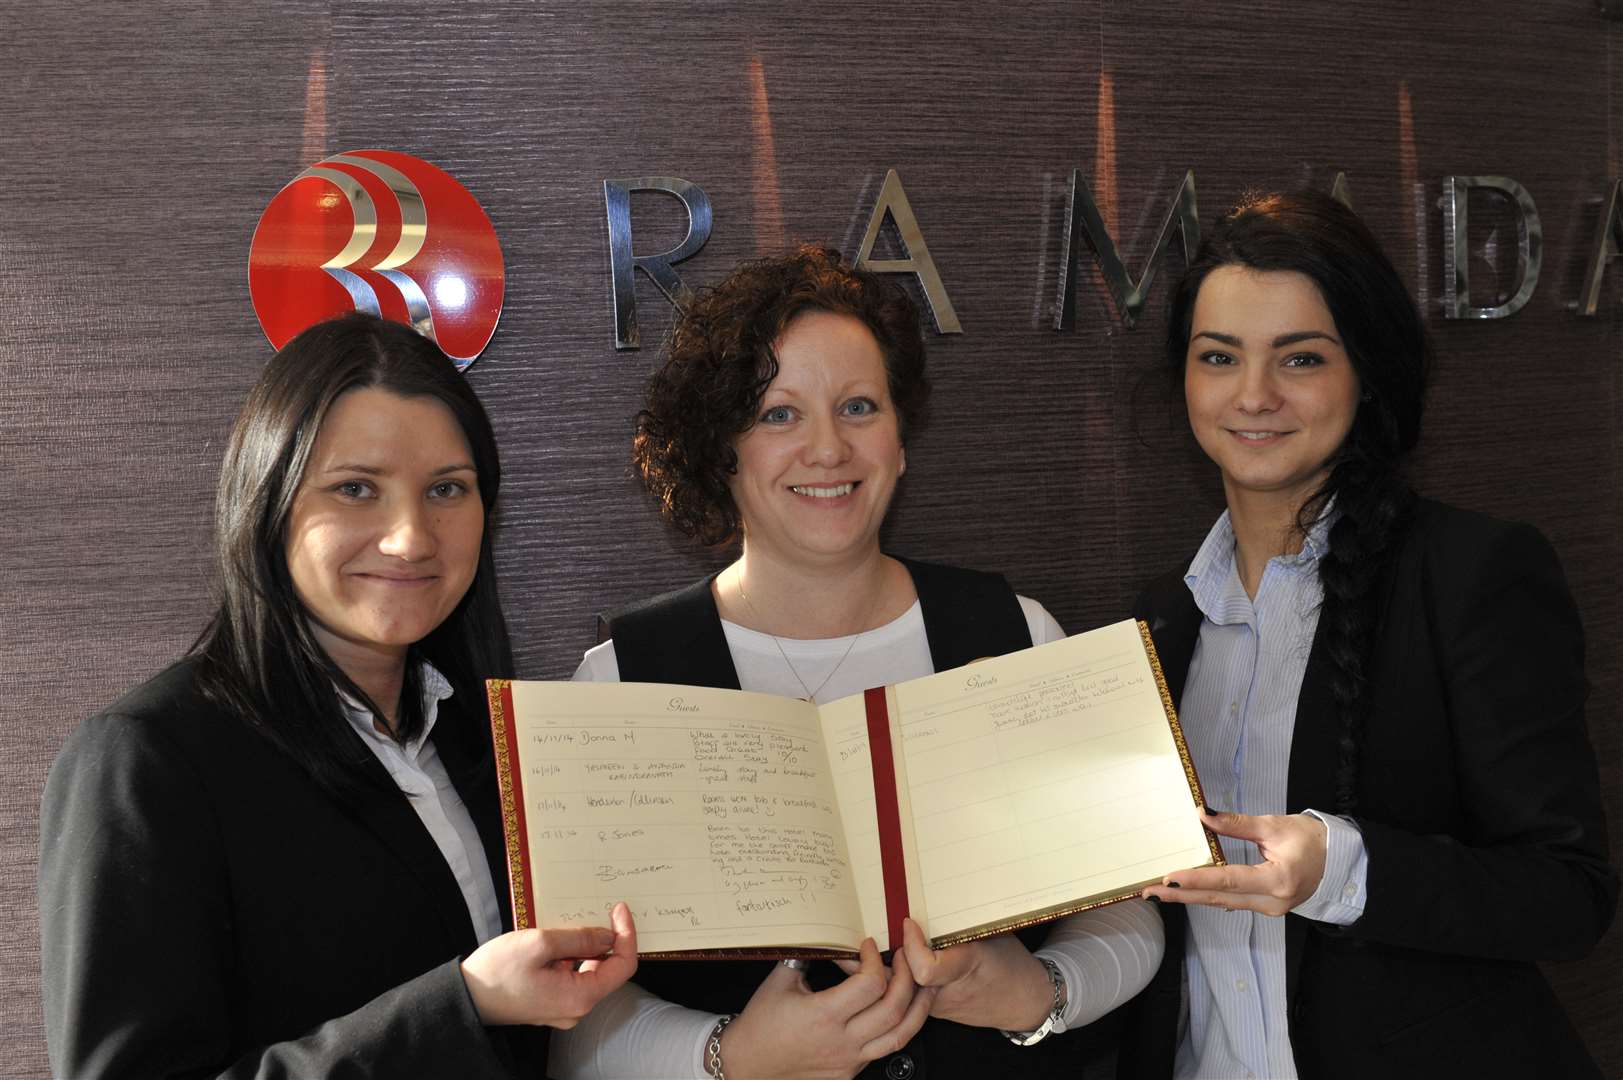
[[1011, 791]]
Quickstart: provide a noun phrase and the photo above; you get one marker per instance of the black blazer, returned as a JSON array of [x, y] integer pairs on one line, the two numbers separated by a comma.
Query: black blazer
[[206, 910], [1480, 808]]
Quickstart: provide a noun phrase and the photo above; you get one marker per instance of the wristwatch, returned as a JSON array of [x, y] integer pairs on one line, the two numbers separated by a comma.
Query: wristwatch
[[1053, 1023]]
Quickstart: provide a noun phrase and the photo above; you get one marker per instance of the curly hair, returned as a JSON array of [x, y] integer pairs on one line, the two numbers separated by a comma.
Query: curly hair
[[720, 360], [1310, 233]]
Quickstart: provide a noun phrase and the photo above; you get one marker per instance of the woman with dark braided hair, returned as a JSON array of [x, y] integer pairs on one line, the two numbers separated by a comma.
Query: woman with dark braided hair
[[1385, 695]]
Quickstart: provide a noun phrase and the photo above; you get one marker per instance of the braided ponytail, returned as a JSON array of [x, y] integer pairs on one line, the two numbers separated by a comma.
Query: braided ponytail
[[1373, 509]]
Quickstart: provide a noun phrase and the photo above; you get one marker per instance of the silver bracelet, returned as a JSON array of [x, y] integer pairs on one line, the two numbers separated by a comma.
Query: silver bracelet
[[712, 1049], [1032, 1038]]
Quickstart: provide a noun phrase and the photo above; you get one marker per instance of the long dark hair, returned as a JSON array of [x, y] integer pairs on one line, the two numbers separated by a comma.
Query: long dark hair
[[257, 656], [1313, 234]]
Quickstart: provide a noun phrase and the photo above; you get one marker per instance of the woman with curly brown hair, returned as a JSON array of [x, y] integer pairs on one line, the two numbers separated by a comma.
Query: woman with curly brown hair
[[779, 418]]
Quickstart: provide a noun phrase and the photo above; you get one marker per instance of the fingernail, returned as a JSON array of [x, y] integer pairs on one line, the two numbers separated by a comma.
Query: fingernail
[[1153, 899], [1173, 885], [1210, 812]]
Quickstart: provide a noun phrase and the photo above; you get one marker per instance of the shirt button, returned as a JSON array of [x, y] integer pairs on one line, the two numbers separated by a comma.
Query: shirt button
[[1350, 891], [1241, 985], [1234, 708], [899, 1067]]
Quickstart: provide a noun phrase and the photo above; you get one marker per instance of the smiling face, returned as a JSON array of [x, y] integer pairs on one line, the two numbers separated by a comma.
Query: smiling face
[[1269, 386], [383, 539], [817, 470]]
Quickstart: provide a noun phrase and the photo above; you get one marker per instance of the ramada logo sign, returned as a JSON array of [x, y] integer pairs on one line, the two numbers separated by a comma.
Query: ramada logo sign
[[378, 231]]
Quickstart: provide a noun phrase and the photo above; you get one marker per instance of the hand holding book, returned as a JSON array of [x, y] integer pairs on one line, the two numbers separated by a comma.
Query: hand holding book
[[992, 982], [550, 977], [786, 1025], [1292, 849]]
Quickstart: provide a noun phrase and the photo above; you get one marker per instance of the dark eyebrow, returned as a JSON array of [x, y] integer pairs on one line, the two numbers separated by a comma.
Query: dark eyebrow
[[373, 470], [1303, 335], [1279, 342]]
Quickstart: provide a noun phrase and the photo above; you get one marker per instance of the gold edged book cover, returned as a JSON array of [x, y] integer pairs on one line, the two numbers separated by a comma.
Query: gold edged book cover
[[994, 796]]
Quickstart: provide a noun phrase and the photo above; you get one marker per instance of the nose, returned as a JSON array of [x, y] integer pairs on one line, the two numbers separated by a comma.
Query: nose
[[409, 533], [1258, 392], [826, 444]]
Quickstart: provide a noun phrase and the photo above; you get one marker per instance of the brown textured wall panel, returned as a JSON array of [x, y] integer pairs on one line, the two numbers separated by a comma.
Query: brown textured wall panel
[[139, 144]]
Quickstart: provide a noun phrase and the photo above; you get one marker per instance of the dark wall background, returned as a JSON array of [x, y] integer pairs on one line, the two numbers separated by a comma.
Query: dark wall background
[[139, 143]]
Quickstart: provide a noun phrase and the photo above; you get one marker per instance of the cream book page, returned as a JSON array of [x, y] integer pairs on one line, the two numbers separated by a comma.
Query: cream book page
[[710, 812], [1044, 780]]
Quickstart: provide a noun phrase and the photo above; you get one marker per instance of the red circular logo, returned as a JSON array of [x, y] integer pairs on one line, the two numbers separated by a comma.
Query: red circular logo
[[378, 231]]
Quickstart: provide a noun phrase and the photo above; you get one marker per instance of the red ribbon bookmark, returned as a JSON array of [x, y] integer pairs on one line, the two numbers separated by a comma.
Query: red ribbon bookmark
[[889, 813]]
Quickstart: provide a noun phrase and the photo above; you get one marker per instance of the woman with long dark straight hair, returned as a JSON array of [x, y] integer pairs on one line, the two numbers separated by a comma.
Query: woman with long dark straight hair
[[1383, 694], [277, 856]]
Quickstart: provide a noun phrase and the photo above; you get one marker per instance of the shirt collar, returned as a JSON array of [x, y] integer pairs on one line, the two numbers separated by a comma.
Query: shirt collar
[[1213, 577], [436, 688]]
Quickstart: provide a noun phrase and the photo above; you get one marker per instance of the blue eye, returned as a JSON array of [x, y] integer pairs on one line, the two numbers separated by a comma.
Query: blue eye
[[859, 407], [777, 414]]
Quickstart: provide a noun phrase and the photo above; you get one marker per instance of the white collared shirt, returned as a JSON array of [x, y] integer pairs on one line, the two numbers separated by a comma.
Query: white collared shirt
[[417, 770]]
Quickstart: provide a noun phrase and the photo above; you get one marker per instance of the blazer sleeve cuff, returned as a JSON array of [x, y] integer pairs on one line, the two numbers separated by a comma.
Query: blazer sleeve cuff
[[427, 1026]]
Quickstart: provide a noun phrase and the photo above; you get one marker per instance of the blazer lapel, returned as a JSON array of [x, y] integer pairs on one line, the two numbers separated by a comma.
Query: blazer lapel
[[1311, 776], [475, 780], [1311, 779], [1174, 620], [387, 813], [1315, 754]]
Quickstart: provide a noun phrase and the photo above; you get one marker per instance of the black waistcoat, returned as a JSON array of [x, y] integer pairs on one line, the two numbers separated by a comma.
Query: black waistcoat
[[677, 638]]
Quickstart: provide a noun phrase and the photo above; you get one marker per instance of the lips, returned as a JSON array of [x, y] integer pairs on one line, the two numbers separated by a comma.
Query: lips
[[823, 491], [404, 581], [1257, 436]]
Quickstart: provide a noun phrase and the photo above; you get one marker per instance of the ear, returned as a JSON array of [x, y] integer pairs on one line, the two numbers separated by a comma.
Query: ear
[[901, 466]]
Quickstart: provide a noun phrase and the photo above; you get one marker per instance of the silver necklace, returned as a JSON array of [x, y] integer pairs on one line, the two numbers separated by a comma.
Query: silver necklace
[[811, 695]]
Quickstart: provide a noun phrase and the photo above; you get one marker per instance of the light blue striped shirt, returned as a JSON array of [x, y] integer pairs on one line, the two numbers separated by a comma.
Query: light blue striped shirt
[[1238, 712]]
